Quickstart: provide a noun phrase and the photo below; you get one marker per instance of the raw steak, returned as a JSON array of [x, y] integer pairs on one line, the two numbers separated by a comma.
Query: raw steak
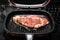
[[31, 21]]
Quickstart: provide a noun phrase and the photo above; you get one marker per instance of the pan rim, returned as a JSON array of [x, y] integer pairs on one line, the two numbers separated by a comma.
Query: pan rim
[[11, 3]]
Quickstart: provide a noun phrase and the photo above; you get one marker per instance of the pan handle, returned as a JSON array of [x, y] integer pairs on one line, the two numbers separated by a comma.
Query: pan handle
[[29, 36]]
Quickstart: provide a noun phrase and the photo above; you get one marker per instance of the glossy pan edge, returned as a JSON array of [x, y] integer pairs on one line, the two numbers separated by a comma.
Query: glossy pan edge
[[28, 6]]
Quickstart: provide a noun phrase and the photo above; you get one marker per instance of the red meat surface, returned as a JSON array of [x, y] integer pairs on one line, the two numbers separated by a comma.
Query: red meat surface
[[31, 21]]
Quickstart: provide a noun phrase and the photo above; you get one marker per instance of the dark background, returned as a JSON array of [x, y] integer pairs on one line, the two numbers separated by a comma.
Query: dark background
[[53, 8]]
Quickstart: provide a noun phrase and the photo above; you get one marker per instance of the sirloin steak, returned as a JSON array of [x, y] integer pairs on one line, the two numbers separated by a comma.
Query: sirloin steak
[[31, 21]]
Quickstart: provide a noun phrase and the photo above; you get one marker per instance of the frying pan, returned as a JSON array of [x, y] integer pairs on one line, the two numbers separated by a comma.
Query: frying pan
[[28, 3], [12, 28]]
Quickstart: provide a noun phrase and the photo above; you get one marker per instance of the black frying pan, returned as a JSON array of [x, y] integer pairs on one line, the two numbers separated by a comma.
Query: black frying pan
[[13, 28]]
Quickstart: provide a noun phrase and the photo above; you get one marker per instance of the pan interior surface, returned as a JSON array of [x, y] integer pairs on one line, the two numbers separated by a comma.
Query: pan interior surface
[[13, 27], [29, 1]]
